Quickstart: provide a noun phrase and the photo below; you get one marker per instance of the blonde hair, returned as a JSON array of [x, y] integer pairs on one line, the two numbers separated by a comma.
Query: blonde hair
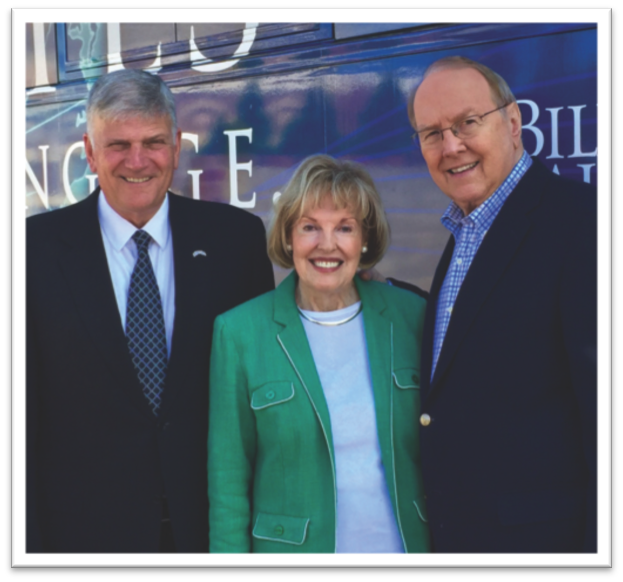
[[500, 91], [349, 185]]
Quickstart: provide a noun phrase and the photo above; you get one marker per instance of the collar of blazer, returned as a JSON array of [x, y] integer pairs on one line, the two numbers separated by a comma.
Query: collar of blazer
[[285, 310], [379, 341]]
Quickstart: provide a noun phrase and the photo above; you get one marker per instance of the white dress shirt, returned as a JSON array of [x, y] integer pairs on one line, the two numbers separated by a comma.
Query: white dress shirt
[[121, 253]]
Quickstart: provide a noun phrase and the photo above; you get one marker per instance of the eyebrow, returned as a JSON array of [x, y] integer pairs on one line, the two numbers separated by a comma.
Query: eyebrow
[[345, 219], [152, 138], [468, 112], [158, 137]]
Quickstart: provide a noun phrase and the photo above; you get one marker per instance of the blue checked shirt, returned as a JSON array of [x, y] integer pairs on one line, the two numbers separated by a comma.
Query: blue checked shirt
[[468, 231]]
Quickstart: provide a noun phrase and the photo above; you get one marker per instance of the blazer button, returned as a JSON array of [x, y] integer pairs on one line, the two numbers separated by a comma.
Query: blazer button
[[278, 530], [425, 420]]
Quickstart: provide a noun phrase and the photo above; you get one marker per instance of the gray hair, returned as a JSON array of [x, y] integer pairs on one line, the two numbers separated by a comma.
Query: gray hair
[[130, 92], [500, 91]]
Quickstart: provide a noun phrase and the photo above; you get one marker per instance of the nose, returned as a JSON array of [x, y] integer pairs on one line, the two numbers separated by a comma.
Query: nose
[[136, 158], [326, 240], [450, 144]]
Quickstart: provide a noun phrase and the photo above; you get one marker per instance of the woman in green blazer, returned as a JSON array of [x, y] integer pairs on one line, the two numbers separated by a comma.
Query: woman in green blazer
[[314, 387]]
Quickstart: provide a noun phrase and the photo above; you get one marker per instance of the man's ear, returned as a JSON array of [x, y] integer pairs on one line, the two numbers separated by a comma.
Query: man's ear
[[88, 149], [514, 118], [178, 148]]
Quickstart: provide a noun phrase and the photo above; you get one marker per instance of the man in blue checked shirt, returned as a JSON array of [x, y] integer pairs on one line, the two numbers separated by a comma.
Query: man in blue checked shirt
[[508, 388]]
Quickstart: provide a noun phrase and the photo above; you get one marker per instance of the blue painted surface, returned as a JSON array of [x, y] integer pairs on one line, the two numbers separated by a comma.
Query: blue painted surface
[[346, 98]]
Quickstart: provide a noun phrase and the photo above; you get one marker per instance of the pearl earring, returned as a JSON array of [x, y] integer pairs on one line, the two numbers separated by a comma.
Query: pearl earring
[[364, 249], [289, 248]]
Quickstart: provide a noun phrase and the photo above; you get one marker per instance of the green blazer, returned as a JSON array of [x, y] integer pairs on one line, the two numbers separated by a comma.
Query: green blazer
[[271, 470]]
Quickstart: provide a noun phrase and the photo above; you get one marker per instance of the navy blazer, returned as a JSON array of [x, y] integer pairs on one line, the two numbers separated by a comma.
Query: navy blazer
[[509, 458], [98, 461]]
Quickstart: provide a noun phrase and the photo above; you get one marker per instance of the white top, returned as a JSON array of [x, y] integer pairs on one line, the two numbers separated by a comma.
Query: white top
[[365, 518], [121, 254]]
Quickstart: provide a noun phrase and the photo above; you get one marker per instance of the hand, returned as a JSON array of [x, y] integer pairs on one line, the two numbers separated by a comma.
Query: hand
[[372, 275]]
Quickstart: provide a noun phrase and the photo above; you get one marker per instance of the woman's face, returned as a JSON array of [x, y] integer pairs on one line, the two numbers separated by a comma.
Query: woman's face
[[326, 247]]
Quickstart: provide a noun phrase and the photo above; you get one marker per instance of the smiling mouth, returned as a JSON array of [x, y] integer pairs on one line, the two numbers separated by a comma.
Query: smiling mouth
[[136, 180], [324, 264], [462, 169]]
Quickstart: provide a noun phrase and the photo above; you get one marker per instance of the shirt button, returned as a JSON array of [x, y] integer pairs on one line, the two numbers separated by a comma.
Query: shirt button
[[278, 530], [425, 419], [459, 261], [270, 395], [449, 310]]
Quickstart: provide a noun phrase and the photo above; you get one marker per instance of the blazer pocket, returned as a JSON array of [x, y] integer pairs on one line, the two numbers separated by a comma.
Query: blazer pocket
[[407, 378], [420, 507], [281, 528], [272, 393]]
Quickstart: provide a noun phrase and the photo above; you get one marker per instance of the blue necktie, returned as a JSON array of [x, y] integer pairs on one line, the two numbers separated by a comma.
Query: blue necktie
[[144, 325]]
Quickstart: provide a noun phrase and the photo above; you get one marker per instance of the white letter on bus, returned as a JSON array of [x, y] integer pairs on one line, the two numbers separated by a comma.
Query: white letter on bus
[[553, 111], [235, 167], [577, 134], [540, 140], [43, 192]]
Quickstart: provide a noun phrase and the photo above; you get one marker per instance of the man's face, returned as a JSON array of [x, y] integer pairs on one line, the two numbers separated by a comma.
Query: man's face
[[134, 158], [468, 170]]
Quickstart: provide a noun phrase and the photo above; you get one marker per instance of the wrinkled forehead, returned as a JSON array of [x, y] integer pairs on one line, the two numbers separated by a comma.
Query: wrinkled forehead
[[449, 94], [130, 121]]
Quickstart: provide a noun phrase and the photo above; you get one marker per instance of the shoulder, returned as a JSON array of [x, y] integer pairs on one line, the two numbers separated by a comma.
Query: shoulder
[[244, 315], [397, 300], [56, 218], [565, 196], [217, 212], [61, 221]]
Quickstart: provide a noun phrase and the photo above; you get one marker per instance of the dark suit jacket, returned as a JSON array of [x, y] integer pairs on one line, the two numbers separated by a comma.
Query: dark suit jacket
[[509, 459], [99, 462]]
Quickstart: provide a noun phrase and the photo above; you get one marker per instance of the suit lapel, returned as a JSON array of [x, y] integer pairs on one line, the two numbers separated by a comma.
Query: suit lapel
[[494, 256], [85, 268], [293, 341], [193, 294]]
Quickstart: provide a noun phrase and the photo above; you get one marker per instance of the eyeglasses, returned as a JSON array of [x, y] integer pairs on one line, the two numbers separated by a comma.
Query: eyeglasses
[[463, 129]]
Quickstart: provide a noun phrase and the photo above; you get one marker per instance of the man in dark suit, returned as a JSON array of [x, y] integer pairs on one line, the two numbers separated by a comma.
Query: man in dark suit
[[122, 292], [508, 423]]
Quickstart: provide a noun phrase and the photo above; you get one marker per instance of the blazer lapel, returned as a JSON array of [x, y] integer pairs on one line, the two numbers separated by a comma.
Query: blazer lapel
[[431, 316], [85, 268], [496, 252], [293, 341], [379, 341]]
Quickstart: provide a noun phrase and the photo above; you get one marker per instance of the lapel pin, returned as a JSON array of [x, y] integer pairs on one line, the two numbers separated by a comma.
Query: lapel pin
[[199, 253]]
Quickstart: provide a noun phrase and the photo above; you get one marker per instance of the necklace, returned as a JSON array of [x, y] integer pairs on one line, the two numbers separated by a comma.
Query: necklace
[[331, 323]]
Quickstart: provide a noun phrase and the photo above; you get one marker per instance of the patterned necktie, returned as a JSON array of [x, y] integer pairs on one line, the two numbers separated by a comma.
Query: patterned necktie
[[144, 325]]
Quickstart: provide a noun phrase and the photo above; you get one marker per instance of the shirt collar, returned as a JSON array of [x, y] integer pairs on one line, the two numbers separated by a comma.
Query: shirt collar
[[482, 216], [119, 231]]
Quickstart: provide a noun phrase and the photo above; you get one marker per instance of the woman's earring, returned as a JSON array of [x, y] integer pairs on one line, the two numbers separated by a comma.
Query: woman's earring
[[364, 249], [289, 248]]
